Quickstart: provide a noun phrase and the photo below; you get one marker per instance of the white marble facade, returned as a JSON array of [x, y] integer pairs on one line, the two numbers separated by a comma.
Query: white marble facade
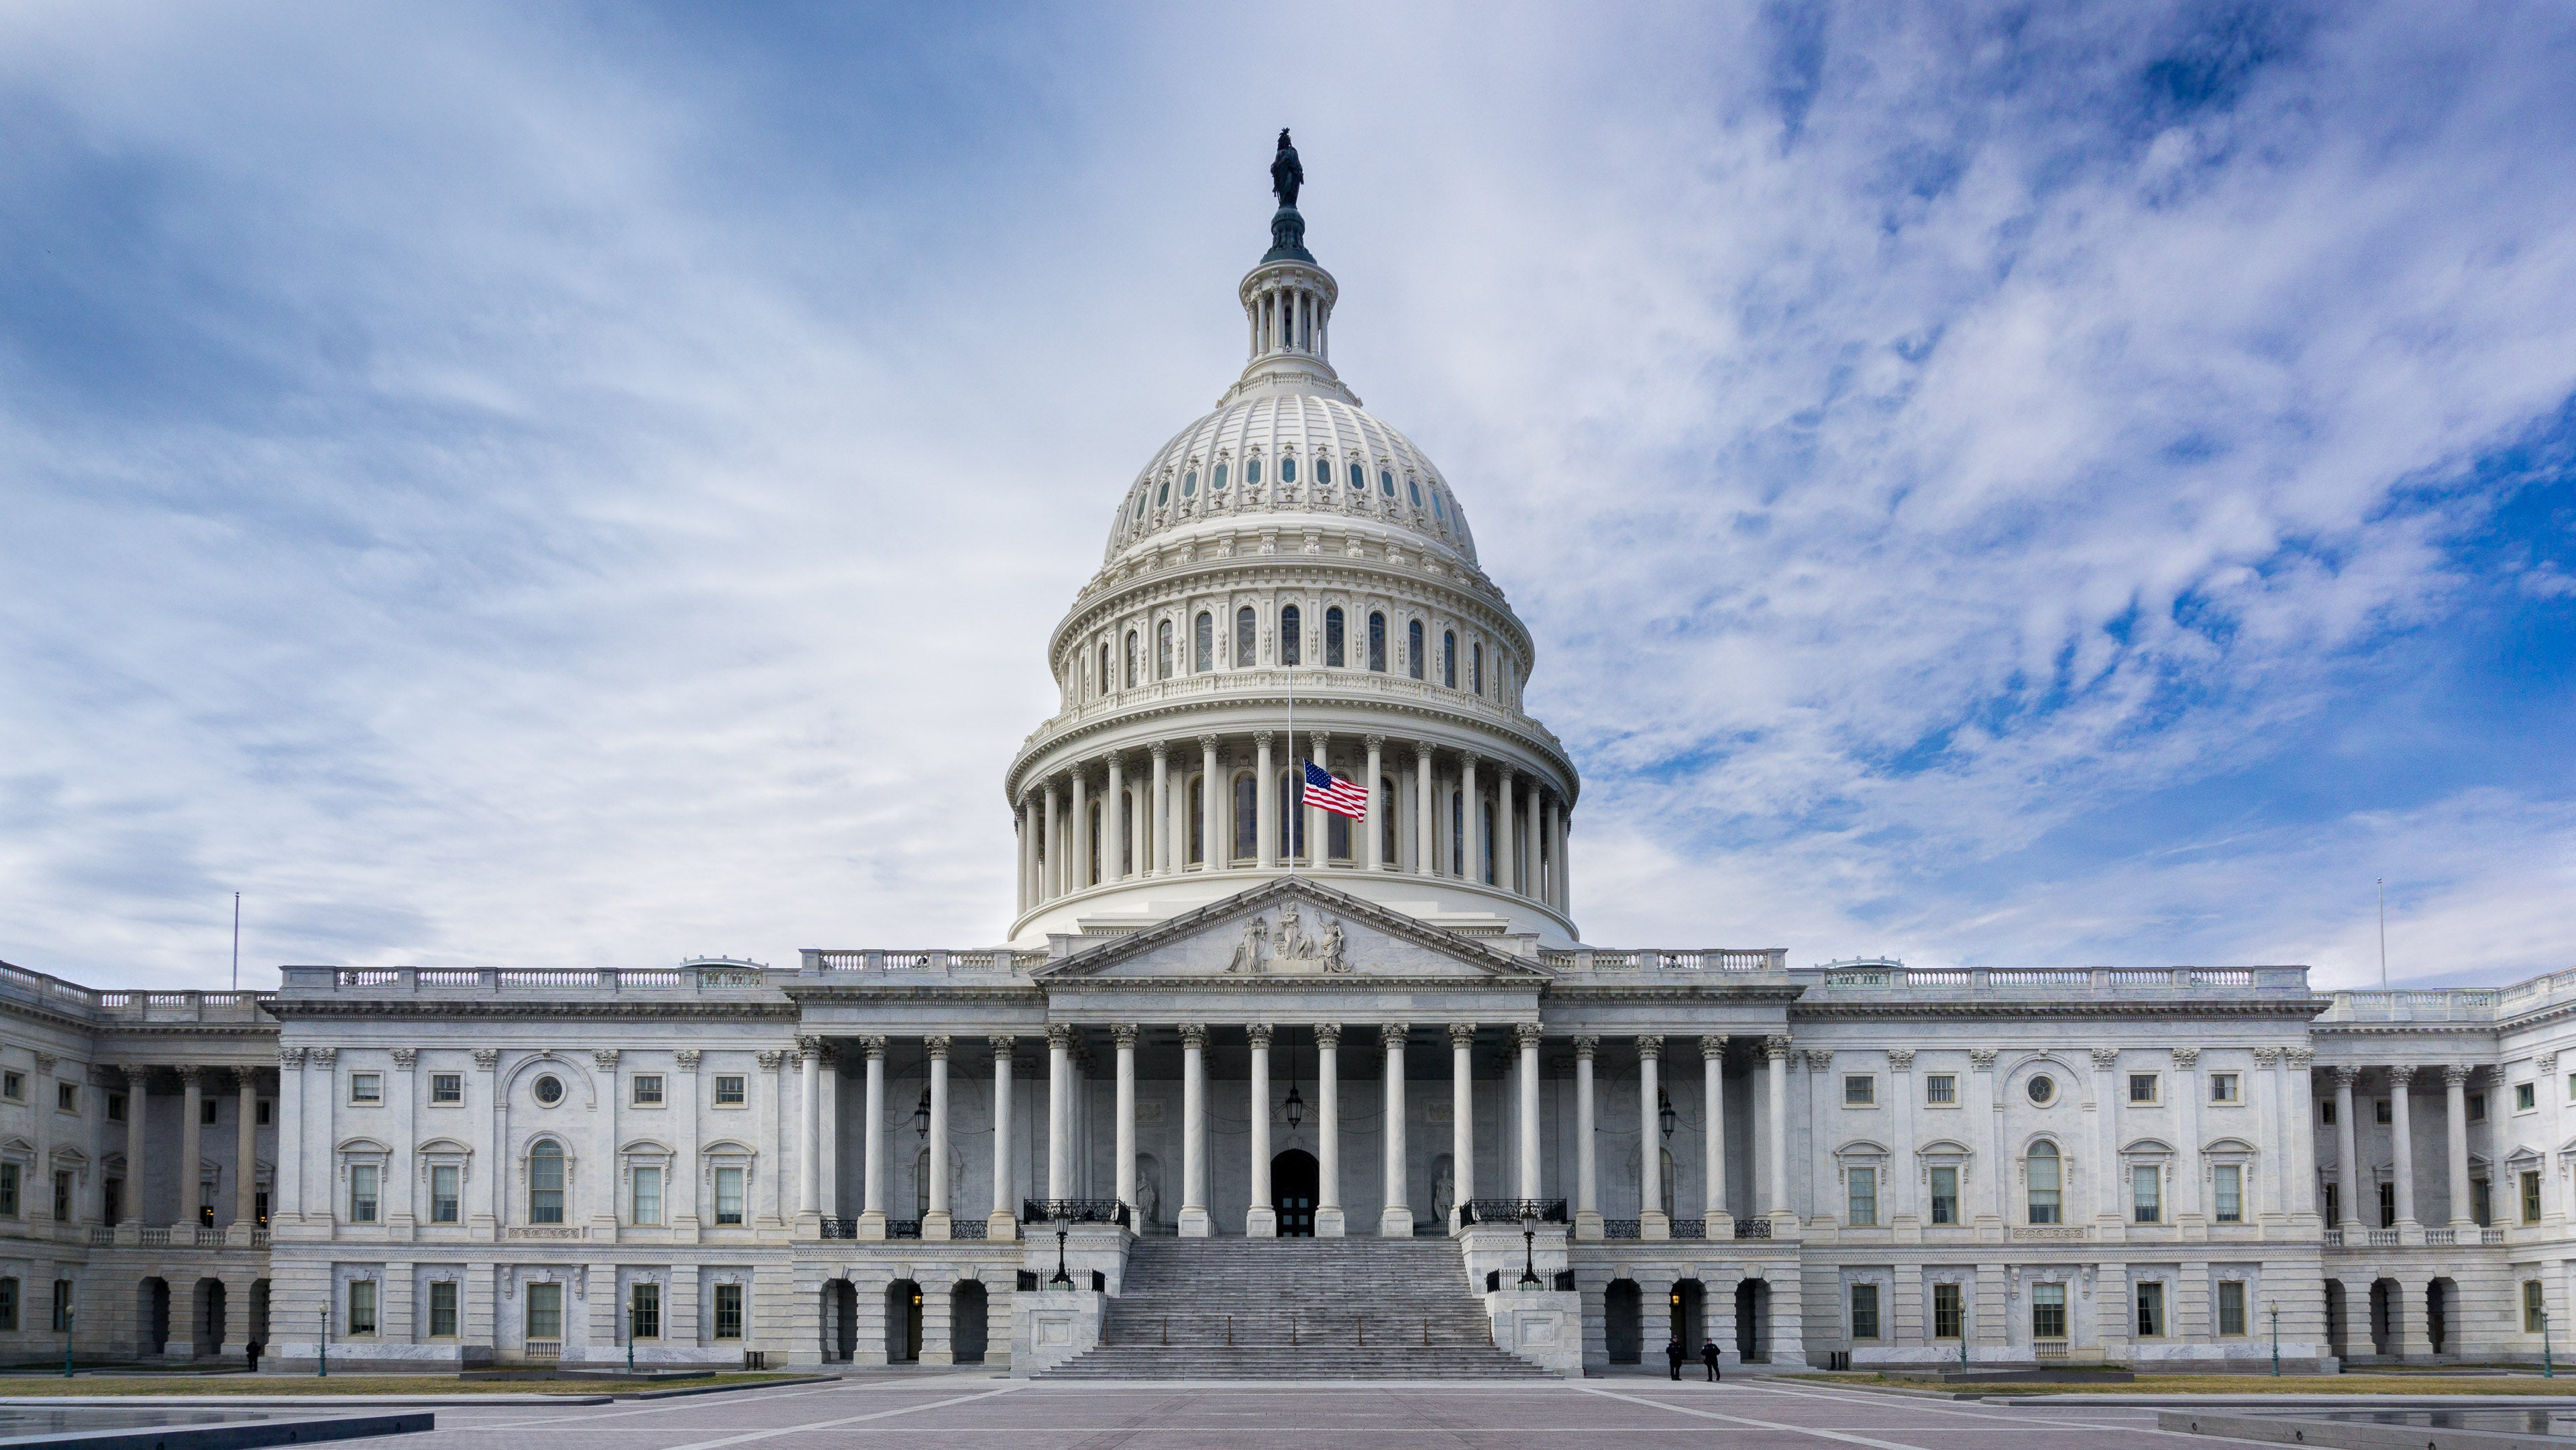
[[1220, 1011]]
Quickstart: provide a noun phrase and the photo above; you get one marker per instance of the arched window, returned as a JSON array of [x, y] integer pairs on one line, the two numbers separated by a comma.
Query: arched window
[[1476, 668], [1669, 1175], [1217, 484], [1333, 637], [1247, 817], [1485, 872], [1163, 650], [1197, 807], [1102, 683], [1292, 815], [546, 1182], [1377, 642], [2044, 1170], [1448, 658], [1131, 659], [1203, 645], [1246, 648], [1140, 503], [1092, 871], [1292, 635], [1359, 478], [1288, 470], [1413, 650], [1386, 819], [1457, 833], [1252, 470]]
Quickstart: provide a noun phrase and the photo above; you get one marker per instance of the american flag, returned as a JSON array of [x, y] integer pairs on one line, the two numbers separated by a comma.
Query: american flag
[[1328, 791]]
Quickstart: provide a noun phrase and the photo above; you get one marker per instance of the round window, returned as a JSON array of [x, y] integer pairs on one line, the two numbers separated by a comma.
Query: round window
[[549, 1090], [2043, 1090]]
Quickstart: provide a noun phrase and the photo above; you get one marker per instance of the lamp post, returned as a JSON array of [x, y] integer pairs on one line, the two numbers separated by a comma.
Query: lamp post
[[324, 1314], [2276, 1339], [1063, 1228], [2547, 1371], [1529, 1250]]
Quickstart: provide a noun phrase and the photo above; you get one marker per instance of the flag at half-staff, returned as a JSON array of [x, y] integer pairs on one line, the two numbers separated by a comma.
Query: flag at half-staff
[[1327, 791]]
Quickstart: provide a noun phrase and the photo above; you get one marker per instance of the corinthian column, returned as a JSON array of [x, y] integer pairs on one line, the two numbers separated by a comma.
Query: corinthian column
[[1194, 1212], [1528, 1035], [2348, 1159], [1712, 1064], [1266, 807], [1261, 1219], [192, 1085], [1395, 1219], [1652, 1221], [1587, 1168], [936, 1221], [872, 1214], [1776, 1051], [1158, 862], [2455, 1082], [1216, 850], [1328, 1131], [1471, 822], [1506, 840], [1059, 1111], [1422, 853], [1375, 853], [1003, 1222], [1462, 1119], [1114, 858], [1124, 1035], [2407, 1224]]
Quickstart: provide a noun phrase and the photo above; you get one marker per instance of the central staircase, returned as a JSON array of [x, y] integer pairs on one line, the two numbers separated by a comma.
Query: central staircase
[[1355, 1308]]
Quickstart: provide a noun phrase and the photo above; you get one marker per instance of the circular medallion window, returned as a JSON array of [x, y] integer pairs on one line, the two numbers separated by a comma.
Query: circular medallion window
[[2043, 1089], [549, 1090]]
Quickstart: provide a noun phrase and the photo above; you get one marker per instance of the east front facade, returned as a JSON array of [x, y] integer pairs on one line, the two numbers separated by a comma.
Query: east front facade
[[1292, 970]]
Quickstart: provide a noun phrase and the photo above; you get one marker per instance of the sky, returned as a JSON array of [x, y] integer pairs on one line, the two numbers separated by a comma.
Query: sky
[[589, 485]]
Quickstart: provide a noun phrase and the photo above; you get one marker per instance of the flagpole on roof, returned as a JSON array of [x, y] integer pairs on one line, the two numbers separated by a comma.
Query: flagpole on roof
[[1296, 766]]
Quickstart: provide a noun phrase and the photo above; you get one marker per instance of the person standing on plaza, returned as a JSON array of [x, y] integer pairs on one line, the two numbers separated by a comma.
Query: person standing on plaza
[[1676, 1352], [1708, 1356]]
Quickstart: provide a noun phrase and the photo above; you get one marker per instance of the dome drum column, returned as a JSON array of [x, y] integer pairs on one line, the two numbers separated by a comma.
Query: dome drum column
[[1215, 852]]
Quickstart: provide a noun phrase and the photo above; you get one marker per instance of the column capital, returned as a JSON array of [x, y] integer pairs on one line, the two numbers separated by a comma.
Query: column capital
[[1123, 1036], [1900, 1059], [2302, 1057], [406, 1057], [2457, 1074], [2105, 1058], [1820, 1059], [1373, 742], [286, 1057], [1585, 1045], [192, 1075], [1423, 751], [1713, 1047], [1059, 1037], [486, 1058], [1259, 1033], [936, 1047], [606, 1058], [1467, 759], [1115, 760], [1502, 771], [1004, 1046], [2401, 1074], [2267, 1056], [1775, 1048], [1194, 1034], [1527, 1034], [873, 1048], [1328, 1034], [2345, 1077], [1649, 1046], [769, 1060], [1261, 738], [2186, 1058], [2545, 1062], [1161, 750], [1393, 1034], [1210, 741], [1982, 1058], [1462, 1035]]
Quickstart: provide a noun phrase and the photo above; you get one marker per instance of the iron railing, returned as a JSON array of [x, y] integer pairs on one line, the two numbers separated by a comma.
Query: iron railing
[[840, 1228], [1510, 1211], [1690, 1228], [1074, 1210], [1622, 1228], [1753, 1228]]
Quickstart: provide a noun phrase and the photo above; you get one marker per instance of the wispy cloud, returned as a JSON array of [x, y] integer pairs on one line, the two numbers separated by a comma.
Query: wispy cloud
[[1996, 486]]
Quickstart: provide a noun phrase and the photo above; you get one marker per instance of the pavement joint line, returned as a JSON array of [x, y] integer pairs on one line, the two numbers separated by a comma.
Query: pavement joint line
[[1850, 1397], [669, 1407], [1838, 1435], [751, 1435]]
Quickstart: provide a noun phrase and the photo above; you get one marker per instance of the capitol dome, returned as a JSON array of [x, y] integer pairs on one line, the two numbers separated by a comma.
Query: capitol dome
[[1288, 557]]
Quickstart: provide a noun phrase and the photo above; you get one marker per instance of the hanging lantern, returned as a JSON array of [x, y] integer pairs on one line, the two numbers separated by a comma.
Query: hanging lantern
[[1664, 1111], [921, 1116], [1296, 1108]]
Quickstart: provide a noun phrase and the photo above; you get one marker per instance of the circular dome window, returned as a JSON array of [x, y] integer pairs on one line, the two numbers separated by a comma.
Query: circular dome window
[[2043, 1090], [549, 1090]]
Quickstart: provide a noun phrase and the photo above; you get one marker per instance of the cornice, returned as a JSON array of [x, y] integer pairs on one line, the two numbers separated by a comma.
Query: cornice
[[1573, 992], [1475, 595], [392, 1010], [2293, 1009], [1018, 992]]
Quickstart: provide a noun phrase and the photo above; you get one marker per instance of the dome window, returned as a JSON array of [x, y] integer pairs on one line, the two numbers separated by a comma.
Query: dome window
[[1246, 649], [1288, 470], [1333, 638], [1386, 483], [1163, 650], [1412, 650], [1292, 625], [1163, 495], [1216, 484], [1252, 470], [1377, 642], [1448, 657], [1438, 510], [1203, 644], [1410, 487], [1140, 503], [1190, 483], [1476, 668], [1131, 659], [1359, 479]]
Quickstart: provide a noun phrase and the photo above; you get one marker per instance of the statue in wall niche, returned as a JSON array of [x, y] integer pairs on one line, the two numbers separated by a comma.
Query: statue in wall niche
[[1149, 1190], [1332, 946], [1247, 952]]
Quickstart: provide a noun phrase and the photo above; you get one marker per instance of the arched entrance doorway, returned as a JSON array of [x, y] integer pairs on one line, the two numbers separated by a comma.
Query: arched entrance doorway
[[1294, 1181], [1621, 1331], [1752, 1320], [1689, 1301], [968, 1327], [903, 1322]]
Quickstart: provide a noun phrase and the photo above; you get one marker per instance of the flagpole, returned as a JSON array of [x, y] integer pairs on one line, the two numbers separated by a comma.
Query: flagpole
[[1296, 767]]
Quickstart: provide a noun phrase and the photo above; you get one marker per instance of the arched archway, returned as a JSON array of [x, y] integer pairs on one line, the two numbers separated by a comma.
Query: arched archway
[[903, 1322], [1295, 1178], [1752, 1319], [2439, 1298], [967, 1323], [1621, 1331], [1688, 1301]]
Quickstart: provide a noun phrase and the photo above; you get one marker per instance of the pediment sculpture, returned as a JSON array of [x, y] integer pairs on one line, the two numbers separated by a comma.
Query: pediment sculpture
[[1287, 947]]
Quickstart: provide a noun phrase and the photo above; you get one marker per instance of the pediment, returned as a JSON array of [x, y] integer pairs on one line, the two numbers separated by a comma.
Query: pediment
[[1291, 928]]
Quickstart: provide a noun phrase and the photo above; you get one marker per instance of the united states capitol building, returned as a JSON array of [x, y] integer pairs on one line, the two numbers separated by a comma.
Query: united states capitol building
[[1251, 1082]]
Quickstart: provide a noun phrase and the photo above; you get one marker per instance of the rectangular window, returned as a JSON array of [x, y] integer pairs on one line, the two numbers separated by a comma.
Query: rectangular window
[[2231, 1306], [2146, 1202], [2388, 1205], [2222, 1087], [2044, 1170], [1860, 1091], [2477, 1107], [728, 1195], [1864, 1198], [2481, 1201], [362, 1307], [62, 1195], [266, 1113], [2151, 1311], [2571, 1087], [1941, 1089], [362, 1192], [2228, 1193], [2535, 1309], [648, 1094], [210, 1110], [13, 1086], [729, 1093], [1864, 1311], [116, 1107], [2326, 1111], [2379, 1113], [444, 1183], [8, 1190], [648, 1197], [1949, 1313], [8, 1306], [112, 1208], [62, 1306], [2334, 1206], [67, 1097], [442, 1309], [545, 1311], [644, 1301], [728, 1311], [2525, 1097], [2142, 1087], [1945, 1195], [447, 1087], [2531, 1198], [2048, 1311], [364, 1087]]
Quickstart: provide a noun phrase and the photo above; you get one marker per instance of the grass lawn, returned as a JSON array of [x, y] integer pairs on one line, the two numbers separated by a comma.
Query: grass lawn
[[35, 1386], [2240, 1384]]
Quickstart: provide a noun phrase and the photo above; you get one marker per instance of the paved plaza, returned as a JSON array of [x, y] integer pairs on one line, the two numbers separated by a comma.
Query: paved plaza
[[973, 1411]]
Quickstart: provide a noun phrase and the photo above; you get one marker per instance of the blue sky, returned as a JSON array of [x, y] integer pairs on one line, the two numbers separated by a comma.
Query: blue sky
[[590, 485]]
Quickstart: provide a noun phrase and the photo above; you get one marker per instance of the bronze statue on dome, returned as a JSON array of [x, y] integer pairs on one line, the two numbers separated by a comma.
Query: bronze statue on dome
[[1286, 174]]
